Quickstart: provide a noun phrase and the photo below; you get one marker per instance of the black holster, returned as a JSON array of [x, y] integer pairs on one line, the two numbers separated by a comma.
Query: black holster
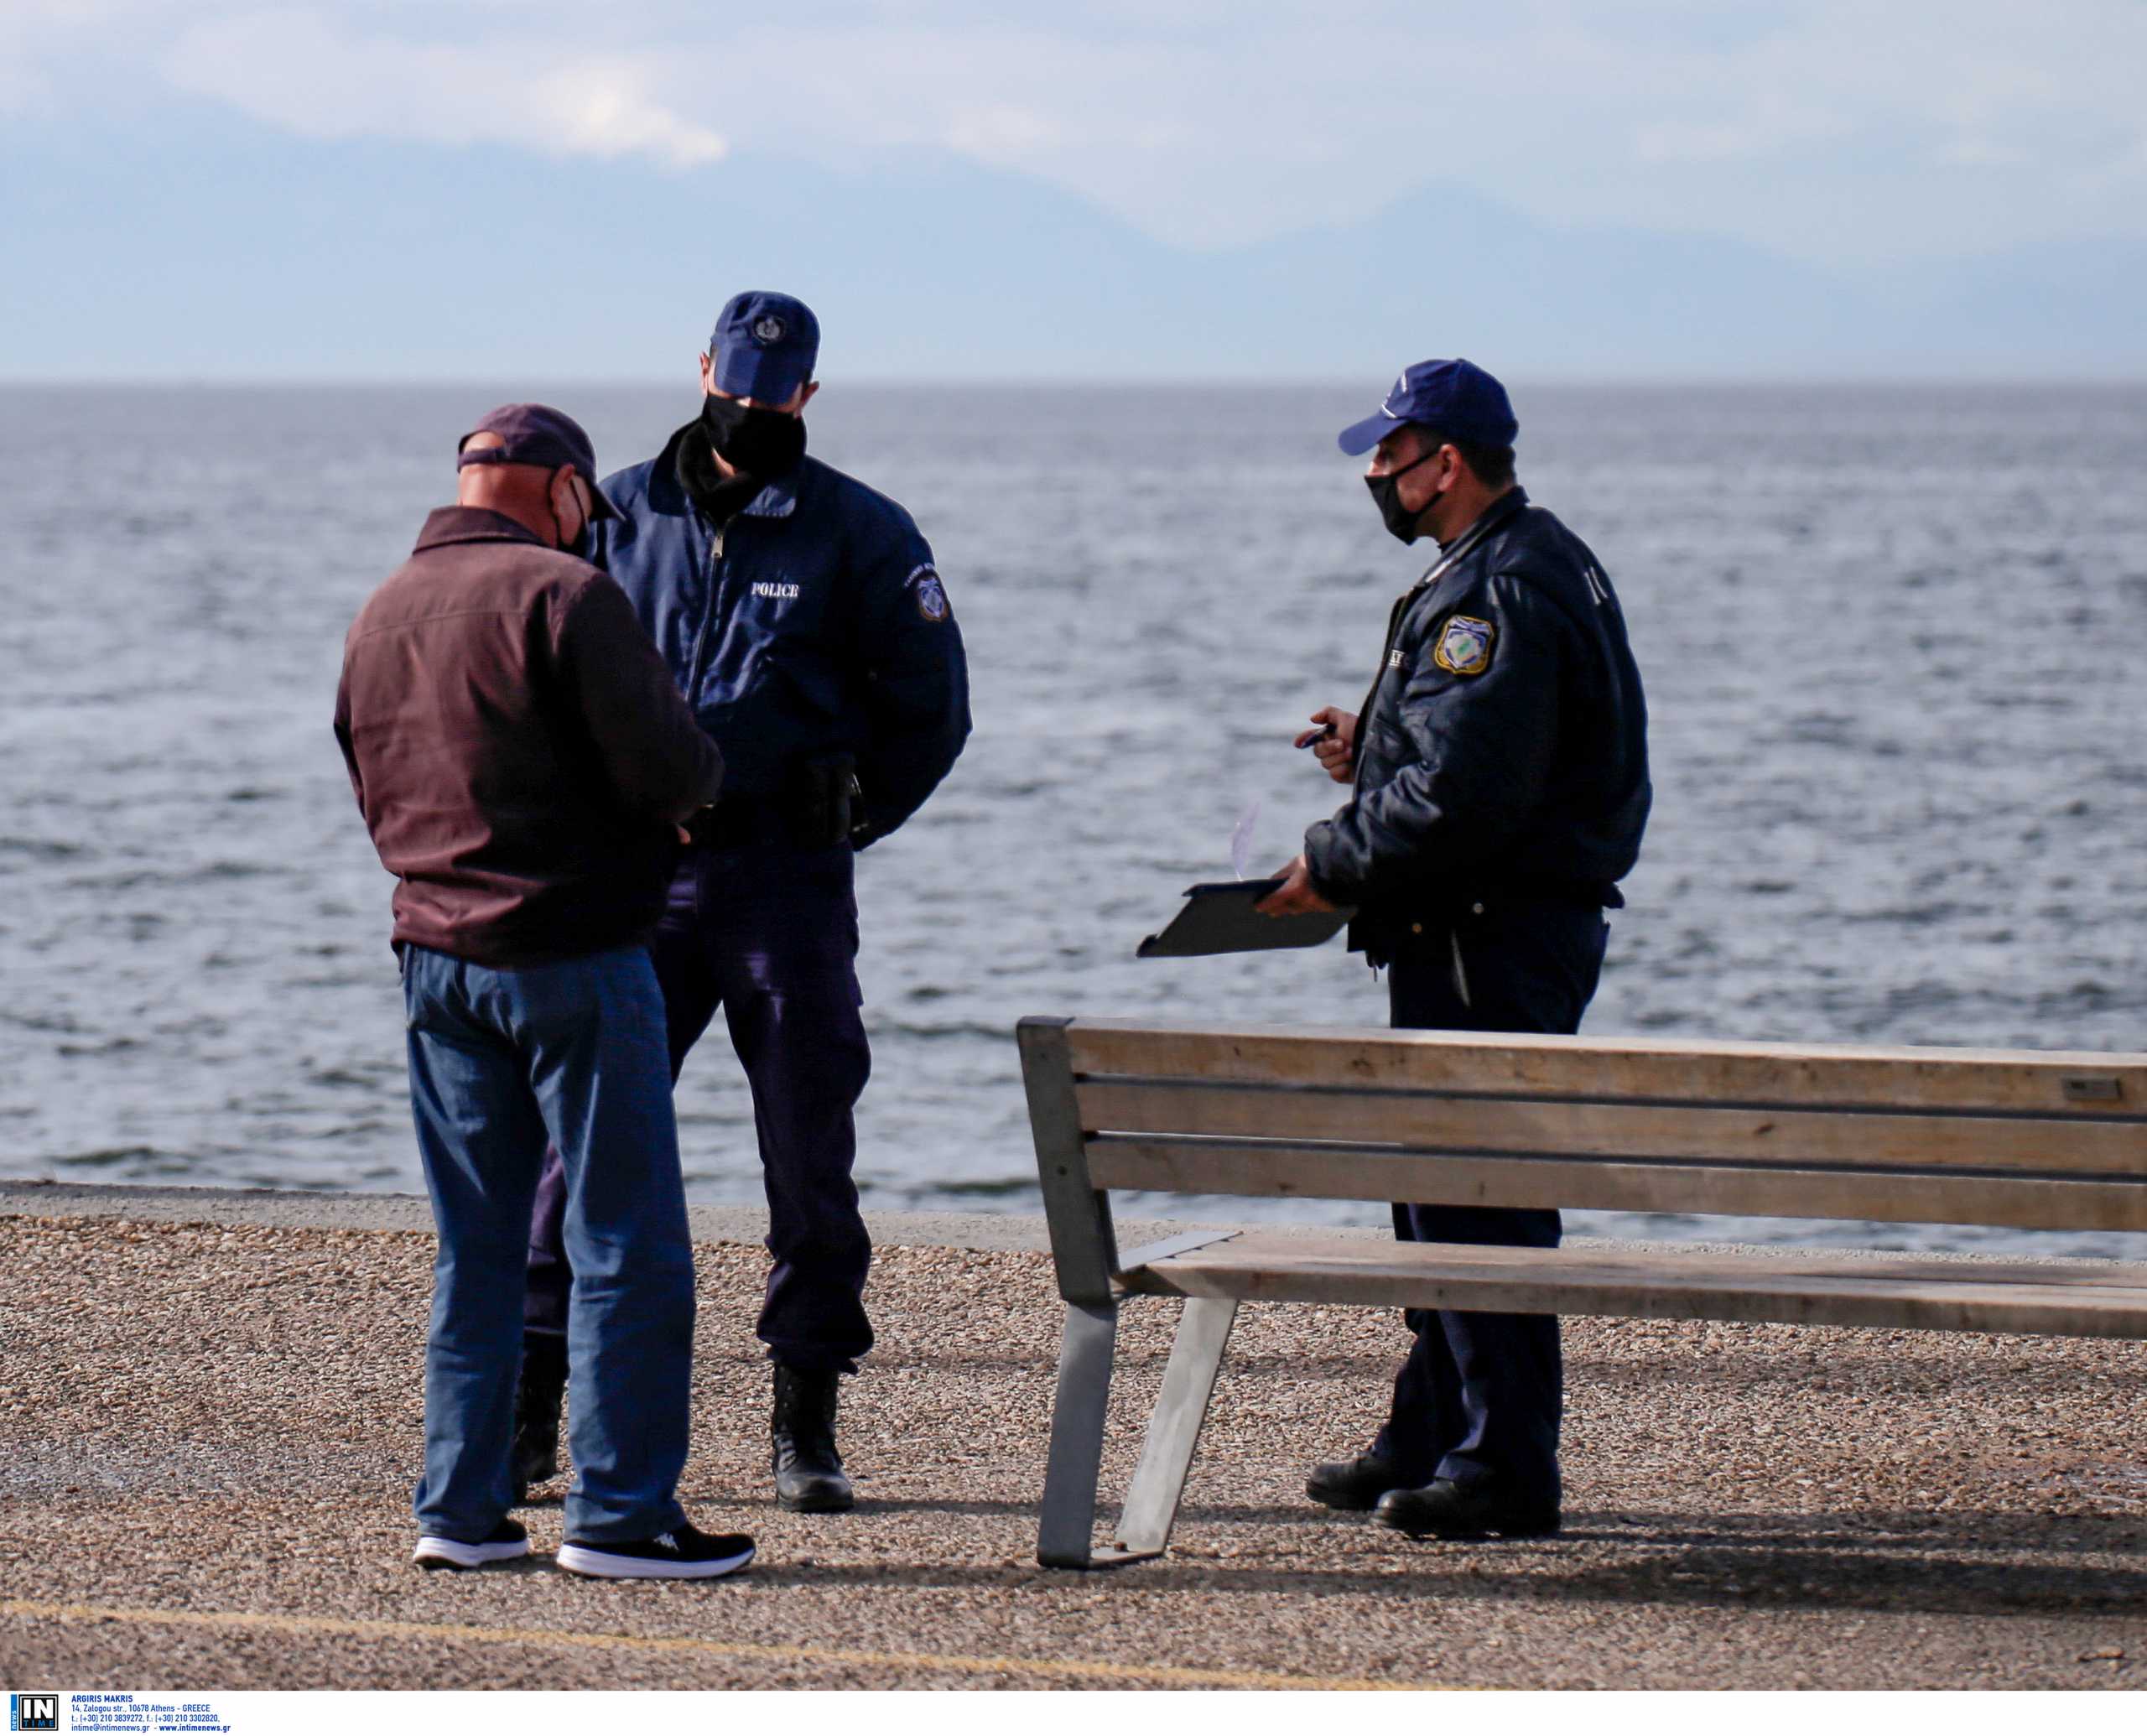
[[828, 803]]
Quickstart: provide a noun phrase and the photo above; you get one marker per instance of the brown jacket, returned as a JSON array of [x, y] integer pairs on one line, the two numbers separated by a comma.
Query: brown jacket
[[518, 749]]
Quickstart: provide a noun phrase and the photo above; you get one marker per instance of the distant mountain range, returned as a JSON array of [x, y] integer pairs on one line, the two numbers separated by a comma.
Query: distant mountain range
[[209, 248]]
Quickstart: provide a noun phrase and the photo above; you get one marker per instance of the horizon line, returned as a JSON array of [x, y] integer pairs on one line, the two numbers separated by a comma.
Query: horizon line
[[1577, 379]]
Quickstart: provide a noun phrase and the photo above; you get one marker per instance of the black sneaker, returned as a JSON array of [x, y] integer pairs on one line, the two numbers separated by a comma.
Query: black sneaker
[[684, 1553], [508, 1543]]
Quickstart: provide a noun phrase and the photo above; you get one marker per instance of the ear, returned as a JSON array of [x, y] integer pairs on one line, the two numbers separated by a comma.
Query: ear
[[812, 388], [566, 500], [707, 374]]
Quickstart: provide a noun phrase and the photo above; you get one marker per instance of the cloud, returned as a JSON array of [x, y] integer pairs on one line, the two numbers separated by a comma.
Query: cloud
[[1001, 131], [1764, 134], [1842, 132], [1816, 126], [1980, 153], [320, 78]]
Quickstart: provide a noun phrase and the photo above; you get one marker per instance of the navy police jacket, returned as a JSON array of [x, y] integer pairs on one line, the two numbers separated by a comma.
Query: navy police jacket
[[814, 623], [1503, 747]]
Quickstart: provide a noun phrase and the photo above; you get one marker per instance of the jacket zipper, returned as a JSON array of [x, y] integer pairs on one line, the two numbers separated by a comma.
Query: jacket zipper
[[1490, 521], [708, 616]]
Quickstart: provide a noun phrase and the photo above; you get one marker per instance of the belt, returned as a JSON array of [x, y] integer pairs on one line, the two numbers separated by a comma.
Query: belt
[[1449, 900], [741, 823], [1599, 894]]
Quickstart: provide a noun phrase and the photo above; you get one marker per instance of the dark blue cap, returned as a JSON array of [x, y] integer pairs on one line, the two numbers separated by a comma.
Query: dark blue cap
[[537, 434], [1457, 399], [764, 346]]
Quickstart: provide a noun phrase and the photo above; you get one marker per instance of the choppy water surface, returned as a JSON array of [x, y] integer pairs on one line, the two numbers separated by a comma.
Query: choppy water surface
[[1892, 640]]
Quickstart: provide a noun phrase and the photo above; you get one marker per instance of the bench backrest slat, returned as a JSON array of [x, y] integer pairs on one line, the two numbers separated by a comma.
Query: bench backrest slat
[[1283, 1170], [1822, 1076], [1970, 1137], [1428, 1121]]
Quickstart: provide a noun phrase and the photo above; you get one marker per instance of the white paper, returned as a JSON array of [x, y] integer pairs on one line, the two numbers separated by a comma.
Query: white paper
[[1241, 840]]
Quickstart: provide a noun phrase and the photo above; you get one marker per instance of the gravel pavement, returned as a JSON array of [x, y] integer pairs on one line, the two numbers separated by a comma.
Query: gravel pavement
[[208, 1431]]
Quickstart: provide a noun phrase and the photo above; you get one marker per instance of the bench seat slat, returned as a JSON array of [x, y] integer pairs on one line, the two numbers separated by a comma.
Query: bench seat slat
[[2075, 1300], [1310, 1172], [2081, 1084], [1465, 1123]]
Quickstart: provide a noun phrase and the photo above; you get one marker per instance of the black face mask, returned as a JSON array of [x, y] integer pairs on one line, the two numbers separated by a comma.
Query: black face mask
[[762, 444], [1400, 521]]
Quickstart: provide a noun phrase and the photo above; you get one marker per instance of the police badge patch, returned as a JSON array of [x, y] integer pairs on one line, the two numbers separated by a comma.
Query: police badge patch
[[1465, 647], [931, 596], [769, 330]]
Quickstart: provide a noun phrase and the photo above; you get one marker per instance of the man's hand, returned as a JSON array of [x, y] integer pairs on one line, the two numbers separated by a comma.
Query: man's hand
[[1295, 896], [1335, 743]]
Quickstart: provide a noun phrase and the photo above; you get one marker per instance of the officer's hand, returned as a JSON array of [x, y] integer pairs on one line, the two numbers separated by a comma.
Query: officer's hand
[[1334, 744], [1295, 896]]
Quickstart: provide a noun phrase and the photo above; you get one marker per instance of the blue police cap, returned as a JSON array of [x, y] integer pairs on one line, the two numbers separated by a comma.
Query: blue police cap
[[1455, 397], [764, 346]]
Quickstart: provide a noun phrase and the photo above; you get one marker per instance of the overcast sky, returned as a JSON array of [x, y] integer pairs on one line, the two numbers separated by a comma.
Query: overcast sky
[[1842, 134]]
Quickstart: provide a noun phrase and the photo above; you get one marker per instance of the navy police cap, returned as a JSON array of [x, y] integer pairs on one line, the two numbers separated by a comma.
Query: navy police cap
[[764, 346], [537, 434], [1457, 399]]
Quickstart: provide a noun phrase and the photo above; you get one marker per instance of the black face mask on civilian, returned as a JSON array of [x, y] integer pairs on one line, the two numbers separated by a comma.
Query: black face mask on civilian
[[757, 442], [1400, 521], [579, 542]]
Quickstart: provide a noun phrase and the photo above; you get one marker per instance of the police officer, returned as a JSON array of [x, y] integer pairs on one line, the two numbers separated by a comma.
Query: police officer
[[804, 620], [1500, 787]]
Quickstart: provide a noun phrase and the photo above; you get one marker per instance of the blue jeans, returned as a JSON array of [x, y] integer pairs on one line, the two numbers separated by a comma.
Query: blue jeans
[[501, 1062]]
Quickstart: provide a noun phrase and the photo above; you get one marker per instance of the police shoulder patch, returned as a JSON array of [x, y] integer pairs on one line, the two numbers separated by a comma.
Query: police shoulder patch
[[1465, 647], [931, 594]]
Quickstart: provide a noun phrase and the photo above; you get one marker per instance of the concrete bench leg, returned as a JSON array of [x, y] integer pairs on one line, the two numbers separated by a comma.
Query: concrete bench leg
[[1203, 1329], [1066, 1533]]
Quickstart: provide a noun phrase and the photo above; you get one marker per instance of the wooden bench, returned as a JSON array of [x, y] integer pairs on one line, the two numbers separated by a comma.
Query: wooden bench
[[2020, 1139]]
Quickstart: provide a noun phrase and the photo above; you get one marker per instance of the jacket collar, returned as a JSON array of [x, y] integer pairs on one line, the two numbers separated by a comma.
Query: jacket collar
[[1501, 512], [778, 500], [472, 524]]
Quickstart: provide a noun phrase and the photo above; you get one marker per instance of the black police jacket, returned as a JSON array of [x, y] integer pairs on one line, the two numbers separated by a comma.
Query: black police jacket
[[1503, 747]]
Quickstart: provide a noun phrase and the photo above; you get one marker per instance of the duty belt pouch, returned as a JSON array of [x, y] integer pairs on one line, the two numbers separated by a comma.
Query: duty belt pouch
[[826, 800]]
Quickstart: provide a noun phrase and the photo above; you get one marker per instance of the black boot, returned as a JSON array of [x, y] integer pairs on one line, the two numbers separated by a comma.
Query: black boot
[[1445, 1509], [1355, 1485], [536, 1453], [808, 1475]]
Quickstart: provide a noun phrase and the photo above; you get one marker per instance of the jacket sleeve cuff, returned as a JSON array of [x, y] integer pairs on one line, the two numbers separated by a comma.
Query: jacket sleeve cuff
[[1319, 855]]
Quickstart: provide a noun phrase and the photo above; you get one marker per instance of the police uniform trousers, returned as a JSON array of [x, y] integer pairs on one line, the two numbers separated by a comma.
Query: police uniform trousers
[[1481, 1395], [767, 933]]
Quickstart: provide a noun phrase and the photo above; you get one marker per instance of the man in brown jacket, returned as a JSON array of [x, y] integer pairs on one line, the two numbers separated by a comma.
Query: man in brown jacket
[[523, 762]]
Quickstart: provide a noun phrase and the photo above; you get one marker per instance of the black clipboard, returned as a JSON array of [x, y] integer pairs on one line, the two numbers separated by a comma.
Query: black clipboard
[[1219, 918]]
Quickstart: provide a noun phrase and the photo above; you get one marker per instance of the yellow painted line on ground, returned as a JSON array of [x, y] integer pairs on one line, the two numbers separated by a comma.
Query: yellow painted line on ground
[[243, 1621]]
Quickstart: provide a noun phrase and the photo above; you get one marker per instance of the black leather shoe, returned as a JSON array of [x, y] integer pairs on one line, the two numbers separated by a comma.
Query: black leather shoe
[[1355, 1485], [1445, 1508], [536, 1411], [808, 1476]]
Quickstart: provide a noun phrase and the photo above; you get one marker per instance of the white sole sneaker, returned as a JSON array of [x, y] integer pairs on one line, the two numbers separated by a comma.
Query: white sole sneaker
[[433, 1553], [593, 1562]]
